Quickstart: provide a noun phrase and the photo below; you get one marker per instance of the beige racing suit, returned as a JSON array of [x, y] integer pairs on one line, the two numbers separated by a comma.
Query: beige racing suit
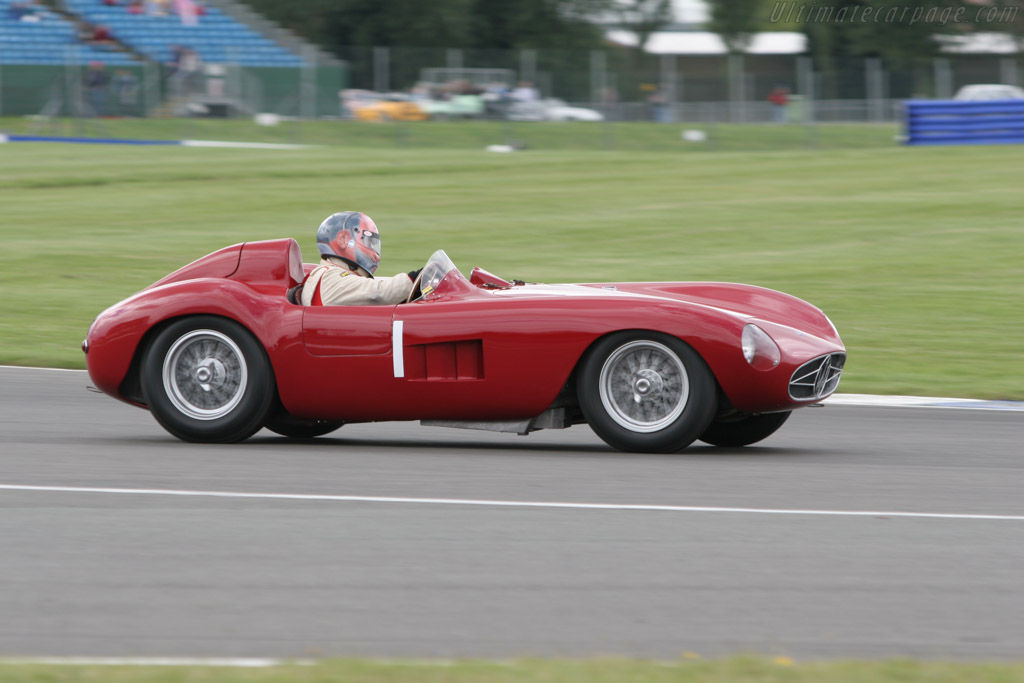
[[340, 286]]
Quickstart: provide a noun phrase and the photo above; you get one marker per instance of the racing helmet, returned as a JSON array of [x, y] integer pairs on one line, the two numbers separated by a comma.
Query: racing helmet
[[352, 237]]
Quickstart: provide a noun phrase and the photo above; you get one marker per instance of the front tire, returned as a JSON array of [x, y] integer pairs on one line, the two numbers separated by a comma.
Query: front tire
[[646, 392], [744, 431], [207, 379]]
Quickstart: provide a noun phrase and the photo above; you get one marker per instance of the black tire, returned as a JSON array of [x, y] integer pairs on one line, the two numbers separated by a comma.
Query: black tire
[[744, 431], [646, 392], [297, 428], [207, 379]]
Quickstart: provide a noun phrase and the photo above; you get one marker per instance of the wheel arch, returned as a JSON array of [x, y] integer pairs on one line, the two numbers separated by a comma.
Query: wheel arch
[[131, 386], [723, 400]]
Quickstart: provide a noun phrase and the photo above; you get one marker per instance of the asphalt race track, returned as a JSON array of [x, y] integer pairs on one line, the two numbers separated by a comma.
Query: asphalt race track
[[797, 551]]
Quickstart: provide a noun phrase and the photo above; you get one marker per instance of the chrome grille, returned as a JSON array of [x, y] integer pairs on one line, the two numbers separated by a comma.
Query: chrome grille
[[816, 379]]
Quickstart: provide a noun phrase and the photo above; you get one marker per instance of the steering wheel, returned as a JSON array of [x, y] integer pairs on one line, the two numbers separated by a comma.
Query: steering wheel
[[416, 294], [427, 281]]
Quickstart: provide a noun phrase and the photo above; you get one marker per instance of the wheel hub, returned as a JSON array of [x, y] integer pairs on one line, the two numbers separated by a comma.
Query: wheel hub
[[205, 374], [210, 374], [647, 384]]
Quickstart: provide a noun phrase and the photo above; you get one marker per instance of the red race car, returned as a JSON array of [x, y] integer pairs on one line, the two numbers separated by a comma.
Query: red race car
[[220, 348]]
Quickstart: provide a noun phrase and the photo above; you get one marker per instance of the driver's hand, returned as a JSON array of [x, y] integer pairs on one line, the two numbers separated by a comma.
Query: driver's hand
[[413, 274]]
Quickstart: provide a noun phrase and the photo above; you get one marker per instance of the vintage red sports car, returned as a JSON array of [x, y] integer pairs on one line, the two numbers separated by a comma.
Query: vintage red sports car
[[220, 348]]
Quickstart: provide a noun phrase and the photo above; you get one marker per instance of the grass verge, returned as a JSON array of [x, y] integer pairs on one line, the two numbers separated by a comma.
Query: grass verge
[[914, 253], [735, 670], [475, 135]]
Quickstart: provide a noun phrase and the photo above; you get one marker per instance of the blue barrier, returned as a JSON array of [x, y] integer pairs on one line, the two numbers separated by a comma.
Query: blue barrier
[[947, 122], [84, 141]]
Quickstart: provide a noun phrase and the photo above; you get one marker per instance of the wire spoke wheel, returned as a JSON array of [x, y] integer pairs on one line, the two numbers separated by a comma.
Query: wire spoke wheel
[[646, 392], [205, 374], [644, 386], [207, 379]]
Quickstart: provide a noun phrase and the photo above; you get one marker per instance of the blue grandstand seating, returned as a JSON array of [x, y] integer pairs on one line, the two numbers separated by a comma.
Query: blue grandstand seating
[[50, 40], [217, 38]]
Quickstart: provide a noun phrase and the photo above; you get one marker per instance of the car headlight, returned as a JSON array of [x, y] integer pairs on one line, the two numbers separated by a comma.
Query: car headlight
[[759, 349]]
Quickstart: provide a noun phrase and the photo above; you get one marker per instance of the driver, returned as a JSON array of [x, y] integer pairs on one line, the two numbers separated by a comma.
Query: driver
[[349, 246]]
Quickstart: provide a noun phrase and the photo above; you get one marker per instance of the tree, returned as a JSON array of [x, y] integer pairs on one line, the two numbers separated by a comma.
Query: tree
[[337, 24], [642, 17], [736, 22]]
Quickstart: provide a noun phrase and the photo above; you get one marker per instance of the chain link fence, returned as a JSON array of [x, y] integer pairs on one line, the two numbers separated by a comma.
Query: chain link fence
[[712, 93]]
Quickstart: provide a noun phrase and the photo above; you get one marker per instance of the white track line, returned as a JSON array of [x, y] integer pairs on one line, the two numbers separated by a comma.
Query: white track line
[[922, 402], [26, 367], [242, 145], [504, 503], [860, 400]]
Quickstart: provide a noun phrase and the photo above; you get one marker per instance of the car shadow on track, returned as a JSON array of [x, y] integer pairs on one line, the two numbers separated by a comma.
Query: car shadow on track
[[426, 446]]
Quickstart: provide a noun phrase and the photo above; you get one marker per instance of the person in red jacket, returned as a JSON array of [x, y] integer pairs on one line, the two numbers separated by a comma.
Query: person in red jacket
[[779, 97]]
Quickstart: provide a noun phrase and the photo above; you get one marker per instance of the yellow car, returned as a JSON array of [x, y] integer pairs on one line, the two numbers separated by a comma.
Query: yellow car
[[389, 108]]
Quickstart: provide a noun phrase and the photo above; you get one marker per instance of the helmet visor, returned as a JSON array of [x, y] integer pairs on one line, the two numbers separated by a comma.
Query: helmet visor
[[370, 240]]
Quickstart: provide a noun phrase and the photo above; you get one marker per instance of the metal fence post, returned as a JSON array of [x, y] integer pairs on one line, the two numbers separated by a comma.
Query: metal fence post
[[737, 87], [943, 76], [875, 85], [598, 78], [528, 66], [806, 84], [1009, 72], [381, 66], [453, 59], [150, 89], [307, 87], [667, 87]]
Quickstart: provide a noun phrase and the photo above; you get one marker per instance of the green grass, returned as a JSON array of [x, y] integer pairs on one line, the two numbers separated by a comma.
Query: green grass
[[736, 670], [916, 254], [476, 135]]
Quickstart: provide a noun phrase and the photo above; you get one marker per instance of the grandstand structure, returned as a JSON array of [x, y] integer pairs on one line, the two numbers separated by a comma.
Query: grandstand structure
[[215, 36], [41, 36], [242, 62]]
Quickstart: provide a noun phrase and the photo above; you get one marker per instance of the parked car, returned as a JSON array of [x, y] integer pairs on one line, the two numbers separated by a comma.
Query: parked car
[[220, 348], [989, 91], [455, 107], [549, 110], [369, 106]]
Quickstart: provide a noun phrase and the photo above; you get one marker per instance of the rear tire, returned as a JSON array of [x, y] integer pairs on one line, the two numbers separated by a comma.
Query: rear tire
[[646, 392], [207, 379], [745, 431]]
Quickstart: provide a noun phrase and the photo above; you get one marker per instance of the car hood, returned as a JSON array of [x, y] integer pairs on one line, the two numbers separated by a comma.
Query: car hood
[[731, 299]]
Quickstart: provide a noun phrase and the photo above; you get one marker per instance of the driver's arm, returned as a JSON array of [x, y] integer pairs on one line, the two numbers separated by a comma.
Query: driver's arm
[[349, 289]]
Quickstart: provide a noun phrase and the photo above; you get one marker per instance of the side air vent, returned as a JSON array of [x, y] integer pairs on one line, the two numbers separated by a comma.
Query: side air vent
[[458, 360], [818, 378]]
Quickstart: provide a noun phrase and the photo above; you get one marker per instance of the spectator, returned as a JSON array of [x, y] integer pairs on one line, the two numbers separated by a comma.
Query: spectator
[[659, 106], [83, 31], [779, 97], [185, 66], [101, 36], [126, 91], [525, 92], [187, 11], [158, 8], [97, 83], [24, 11], [16, 10], [135, 7]]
